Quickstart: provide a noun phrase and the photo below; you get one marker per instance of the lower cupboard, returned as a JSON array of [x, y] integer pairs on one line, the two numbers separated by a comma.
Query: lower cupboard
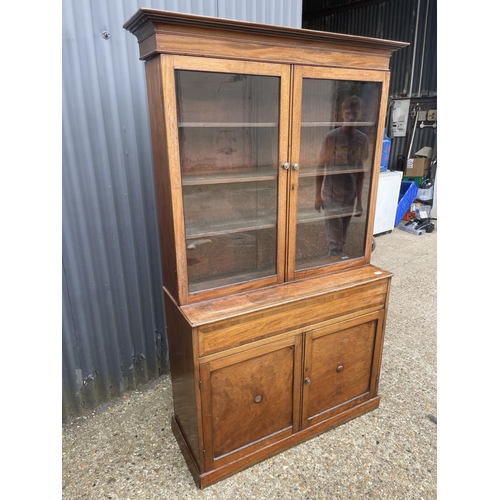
[[240, 405]]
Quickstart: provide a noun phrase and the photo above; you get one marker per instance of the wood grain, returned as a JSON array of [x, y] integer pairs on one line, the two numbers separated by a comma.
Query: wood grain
[[183, 367], [210, 311], [259, 454], [339, 363], [257, 365], [164, 201], [161, 31]]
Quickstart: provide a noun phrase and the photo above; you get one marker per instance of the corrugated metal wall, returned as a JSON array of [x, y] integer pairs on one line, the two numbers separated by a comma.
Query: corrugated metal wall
[[114, 334], [413, 69], [277, 12]]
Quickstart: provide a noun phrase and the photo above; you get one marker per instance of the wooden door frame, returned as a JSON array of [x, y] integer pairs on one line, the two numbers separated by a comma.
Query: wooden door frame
[[171, 63], [299, 73], [309, 337], [205, 370]]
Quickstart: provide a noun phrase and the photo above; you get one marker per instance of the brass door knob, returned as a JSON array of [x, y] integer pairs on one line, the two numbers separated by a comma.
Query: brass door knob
[[295, 166], [307, 381], [285, 165]]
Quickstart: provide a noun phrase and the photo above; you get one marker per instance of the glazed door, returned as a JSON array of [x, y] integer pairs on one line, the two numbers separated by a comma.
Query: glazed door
[[341, 367], [337, 130], [250, 400], [229, 137]]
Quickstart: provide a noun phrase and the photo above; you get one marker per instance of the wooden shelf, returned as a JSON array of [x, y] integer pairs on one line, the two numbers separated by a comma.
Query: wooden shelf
[[203, 229], [233, 279], [311, 171], [312, 215], [336, 124], [227, 125], [303, 217], [320, 262], [249, 224], [242, 225], [263, 174], [267, 173]]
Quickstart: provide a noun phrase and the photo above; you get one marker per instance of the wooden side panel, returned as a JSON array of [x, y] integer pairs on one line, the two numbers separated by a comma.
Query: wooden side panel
[[184, 382], [162, 181]]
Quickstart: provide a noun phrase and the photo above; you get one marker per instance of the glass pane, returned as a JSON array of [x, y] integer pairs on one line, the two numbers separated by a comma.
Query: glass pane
[[228, 139], [337, 144]]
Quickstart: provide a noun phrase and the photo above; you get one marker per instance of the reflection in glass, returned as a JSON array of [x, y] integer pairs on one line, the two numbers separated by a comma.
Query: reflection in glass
[[228, 145], [344, 147], [338, 131]]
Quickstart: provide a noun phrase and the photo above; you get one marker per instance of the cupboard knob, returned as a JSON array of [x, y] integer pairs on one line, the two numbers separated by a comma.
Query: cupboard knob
[[285, 165], [339, 368], [258, 398], [307, 381], [295, 166]]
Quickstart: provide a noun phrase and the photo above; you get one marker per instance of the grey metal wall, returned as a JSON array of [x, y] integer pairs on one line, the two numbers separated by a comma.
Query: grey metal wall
[[113, 323], [413, 69]]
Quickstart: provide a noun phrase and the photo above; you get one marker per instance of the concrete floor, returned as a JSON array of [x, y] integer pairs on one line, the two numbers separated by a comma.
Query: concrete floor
[[126, 449]]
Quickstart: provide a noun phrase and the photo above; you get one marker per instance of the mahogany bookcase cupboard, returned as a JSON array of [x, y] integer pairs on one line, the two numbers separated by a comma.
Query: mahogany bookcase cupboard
[[275, 316]]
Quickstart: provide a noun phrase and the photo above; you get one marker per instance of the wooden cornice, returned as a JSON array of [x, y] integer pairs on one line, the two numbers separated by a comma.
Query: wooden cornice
[[144, 22]]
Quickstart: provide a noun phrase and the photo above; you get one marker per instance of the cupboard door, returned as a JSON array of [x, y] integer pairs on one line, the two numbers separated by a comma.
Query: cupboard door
[[337, 127], [250, 400], [231, 132], [341, 367]]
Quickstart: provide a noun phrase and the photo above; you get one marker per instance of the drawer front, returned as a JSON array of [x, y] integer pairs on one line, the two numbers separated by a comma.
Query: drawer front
[[250, 398], [341, 367], [286, 317]]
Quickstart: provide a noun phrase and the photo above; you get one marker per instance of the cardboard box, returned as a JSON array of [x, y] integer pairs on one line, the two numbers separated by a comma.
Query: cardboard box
[[417, 167]]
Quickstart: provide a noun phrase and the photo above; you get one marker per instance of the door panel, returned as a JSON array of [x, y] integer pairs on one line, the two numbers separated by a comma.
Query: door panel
[[336, 129], [230, 128], [339, 367], [251, 396]]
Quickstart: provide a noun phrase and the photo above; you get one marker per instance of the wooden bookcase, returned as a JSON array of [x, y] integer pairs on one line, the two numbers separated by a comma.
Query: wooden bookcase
[[275, 316]]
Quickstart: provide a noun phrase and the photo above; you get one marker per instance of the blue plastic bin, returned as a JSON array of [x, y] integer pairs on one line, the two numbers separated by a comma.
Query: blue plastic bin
[[407, 195], [386, 151]]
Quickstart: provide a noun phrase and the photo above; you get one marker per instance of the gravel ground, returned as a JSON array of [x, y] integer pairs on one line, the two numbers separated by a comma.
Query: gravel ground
[[126, 450]]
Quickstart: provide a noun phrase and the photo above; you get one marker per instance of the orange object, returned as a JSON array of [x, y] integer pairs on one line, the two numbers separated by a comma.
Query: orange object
[[409, 215]]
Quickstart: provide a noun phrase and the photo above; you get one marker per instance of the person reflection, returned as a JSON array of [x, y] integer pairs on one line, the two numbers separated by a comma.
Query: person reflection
[[343, 148]]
